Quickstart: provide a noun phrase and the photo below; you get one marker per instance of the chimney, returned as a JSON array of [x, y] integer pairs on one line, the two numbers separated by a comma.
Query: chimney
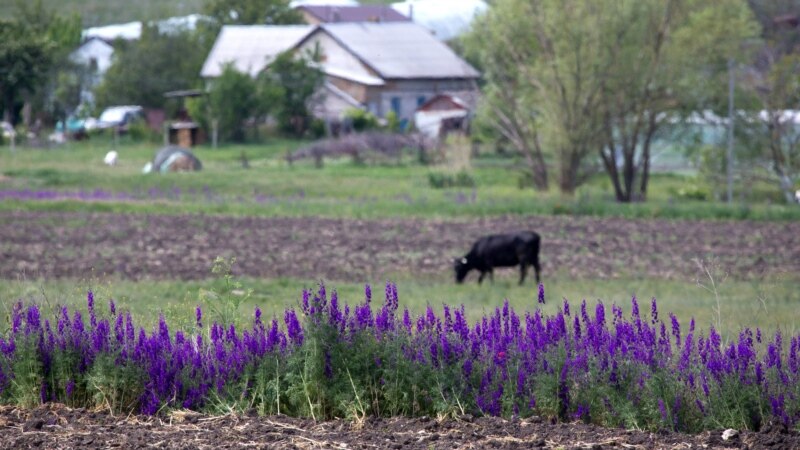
[[411, 11]]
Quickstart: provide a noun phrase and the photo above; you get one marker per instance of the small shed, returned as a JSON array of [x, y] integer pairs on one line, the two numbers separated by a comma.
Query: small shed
[[182, 130], [442, 114]]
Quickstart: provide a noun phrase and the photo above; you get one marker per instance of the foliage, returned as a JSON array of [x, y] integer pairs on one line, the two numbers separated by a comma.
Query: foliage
[[225, 302], [339, 360], [103, 12], [691, 192], [25, 58], [232, 99], [290, 81], [361, 119], [141, 132], [252, 12], [773, 84], [439, 180], [144, 70], [568, 82]]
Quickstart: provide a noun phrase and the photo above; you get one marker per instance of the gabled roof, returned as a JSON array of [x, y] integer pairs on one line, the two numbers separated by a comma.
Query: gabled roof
[[363, 13], [399, 50], [443, 102], [251, 47]]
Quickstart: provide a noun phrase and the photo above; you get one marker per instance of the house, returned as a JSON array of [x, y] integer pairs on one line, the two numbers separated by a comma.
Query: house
[[250, 48], [95, 53], [379, 67], [316, 14], [392, 66], [97, 46], [441, 115]]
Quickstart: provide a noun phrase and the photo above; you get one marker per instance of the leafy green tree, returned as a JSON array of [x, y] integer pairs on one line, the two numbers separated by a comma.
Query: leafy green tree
[[144, 70], [252, 12], [570, 79], [232, 99], [59, 90], [25, 58], [774, 81], [291, 81]]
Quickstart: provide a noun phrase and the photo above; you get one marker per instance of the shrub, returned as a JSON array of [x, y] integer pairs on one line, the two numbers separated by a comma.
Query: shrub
[[691, 192], [362, 120], [440, 180]]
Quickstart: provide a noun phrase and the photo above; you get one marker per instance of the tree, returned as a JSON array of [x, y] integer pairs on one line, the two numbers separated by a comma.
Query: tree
[[291, 81], [59, 90], [572, 79], [673, 51], [144, 70], [232, 99], [774, 80], [25, 58], [252, 12]]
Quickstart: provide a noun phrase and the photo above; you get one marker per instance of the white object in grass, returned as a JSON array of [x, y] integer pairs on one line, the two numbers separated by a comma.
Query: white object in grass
[[111, 158]]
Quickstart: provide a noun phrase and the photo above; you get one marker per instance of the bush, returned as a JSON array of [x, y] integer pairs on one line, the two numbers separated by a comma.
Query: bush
[[362, 120], [139, 131], [691, 192], [439, 180]]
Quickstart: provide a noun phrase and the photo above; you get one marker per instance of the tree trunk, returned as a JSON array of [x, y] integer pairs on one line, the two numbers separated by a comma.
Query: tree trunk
[[651, 131]]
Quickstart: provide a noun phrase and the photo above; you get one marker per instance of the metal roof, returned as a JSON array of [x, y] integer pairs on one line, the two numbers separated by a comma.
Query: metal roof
[[251, 48], [400, 50]]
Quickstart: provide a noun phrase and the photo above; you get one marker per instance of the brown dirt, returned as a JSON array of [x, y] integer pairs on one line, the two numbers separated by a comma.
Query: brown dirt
[[58, 427], [50, 245]]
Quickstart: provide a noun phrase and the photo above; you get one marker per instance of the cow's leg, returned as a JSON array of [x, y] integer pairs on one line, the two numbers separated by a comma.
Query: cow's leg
[[491, 275], [523, 271], [480, 278], [538, 269]]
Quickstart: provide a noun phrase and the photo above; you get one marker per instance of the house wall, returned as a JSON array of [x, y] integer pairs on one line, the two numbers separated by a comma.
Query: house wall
[[94, 50], [358, 91], [336, 57], [407, 95]]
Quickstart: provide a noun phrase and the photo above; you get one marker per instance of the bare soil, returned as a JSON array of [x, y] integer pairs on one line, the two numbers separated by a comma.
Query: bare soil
[[45, 244], [51, 245], [55, 426]]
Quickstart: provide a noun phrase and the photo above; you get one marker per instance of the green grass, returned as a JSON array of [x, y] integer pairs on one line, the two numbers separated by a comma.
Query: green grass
[[341, 188], [769, 304]]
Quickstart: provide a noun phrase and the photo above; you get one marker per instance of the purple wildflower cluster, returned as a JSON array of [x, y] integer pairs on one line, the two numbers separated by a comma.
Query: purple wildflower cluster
[[574, 364]]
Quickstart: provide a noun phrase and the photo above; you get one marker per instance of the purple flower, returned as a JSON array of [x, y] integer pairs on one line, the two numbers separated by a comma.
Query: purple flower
[[293, 328], [541, 293], [198, 315], [662, 409], [654, 310]]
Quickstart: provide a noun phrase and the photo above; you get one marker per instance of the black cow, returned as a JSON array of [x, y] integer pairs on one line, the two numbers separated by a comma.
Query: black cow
[[501, 250]]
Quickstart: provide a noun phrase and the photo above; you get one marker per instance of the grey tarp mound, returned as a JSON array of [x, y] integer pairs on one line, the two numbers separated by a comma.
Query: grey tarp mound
[[175, 159]]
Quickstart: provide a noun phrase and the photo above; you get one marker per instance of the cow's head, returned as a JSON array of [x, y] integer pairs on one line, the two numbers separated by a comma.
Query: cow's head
[[462, 267]]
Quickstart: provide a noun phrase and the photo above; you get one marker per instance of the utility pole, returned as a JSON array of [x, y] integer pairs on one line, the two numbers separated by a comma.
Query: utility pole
[[729, 155]]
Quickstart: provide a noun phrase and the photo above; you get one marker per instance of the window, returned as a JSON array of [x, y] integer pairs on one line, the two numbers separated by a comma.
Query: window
[[396, 105], [420, 100]]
